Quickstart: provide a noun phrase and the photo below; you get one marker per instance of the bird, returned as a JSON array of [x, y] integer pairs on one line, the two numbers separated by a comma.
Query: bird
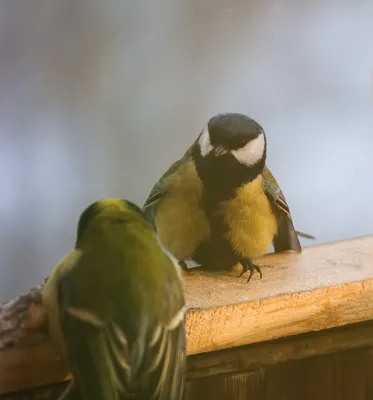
[[116, 308], [219, 205]]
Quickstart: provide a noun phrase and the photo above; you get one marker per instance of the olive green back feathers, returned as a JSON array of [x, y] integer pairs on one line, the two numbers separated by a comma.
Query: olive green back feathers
[[122, 309]]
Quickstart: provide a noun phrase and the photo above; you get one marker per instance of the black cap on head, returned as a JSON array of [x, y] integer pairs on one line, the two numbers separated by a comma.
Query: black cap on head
[[232, 130]]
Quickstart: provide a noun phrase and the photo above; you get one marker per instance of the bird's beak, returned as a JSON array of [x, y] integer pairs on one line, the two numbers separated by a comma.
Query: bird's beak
[[219, 151]]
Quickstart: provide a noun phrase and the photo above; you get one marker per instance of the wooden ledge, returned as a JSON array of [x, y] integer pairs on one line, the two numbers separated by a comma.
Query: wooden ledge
[[323, 287]]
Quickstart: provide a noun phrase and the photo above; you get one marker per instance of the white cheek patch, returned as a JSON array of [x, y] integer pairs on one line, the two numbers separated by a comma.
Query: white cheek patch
[[204, 142], [252, 152]]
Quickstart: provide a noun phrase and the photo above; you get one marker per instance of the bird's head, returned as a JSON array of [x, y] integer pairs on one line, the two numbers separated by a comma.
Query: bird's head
[[233, 136], [109, 209], [229, 152]]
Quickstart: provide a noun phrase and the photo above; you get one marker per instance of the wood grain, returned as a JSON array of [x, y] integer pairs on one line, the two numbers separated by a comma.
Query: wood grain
[[349, 367], [319, 373], [327, 377], [324, 287], [287, 382], [31, 367], [247, 385], [368, 364], [293, 348]]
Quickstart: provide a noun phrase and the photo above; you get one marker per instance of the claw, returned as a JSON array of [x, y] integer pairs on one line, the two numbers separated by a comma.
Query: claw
[[257, 269], [248, 265]]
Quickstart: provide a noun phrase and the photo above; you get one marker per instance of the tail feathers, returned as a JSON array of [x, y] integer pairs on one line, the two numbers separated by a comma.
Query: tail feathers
[[305, 235]]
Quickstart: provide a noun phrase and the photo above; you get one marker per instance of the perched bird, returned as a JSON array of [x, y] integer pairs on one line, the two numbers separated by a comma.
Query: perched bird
[[116, 305], [219, 205]]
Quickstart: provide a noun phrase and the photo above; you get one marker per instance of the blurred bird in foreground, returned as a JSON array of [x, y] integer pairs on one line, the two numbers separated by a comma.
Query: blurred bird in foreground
[[219, 205], [116, 305]]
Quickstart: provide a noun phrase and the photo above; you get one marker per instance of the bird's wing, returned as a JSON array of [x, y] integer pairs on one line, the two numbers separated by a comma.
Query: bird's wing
[[286, 238], [106, 363], [159, 189]]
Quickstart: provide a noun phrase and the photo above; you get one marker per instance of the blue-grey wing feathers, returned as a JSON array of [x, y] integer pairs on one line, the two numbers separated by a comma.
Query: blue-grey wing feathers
[[286, 238]]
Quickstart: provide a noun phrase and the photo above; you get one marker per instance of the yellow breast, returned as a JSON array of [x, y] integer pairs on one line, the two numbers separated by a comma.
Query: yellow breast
[[251, 222], [181, 222]]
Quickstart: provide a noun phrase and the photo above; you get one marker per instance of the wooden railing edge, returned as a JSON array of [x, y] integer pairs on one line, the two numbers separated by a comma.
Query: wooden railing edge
[[29, 359]]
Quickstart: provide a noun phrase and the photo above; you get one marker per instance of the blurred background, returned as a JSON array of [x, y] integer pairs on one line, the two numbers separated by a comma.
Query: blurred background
[[98, 98]]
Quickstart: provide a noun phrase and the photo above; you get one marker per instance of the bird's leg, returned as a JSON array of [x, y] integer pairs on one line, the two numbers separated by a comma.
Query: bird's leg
[[248, 265], [183, 265]]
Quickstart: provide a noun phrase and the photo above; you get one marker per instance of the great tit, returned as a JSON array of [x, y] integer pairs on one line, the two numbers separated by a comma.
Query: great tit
[[116, 306], [219, 205]]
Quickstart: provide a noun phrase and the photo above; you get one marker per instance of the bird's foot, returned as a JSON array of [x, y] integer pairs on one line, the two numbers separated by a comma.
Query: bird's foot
[[248, 265]]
